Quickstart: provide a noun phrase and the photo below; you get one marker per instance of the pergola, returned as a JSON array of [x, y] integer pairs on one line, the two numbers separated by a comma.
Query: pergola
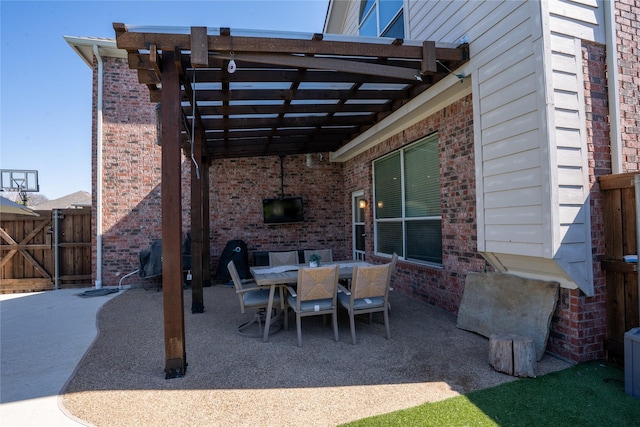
[[225, 94]]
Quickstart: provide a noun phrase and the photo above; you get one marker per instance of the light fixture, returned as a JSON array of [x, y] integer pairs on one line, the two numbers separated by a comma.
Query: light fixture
[[231, 67], [362, 204], [310, 159]]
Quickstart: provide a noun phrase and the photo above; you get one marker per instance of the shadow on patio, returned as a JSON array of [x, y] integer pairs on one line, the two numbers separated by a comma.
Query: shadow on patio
[[235, 380]]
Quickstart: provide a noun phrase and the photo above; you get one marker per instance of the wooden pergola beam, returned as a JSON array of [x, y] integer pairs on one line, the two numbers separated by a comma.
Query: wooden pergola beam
[[134, 41], [339, 65], [173, 302]]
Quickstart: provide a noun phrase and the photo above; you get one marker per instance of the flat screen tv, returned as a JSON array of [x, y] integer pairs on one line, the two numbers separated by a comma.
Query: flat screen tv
[[282, 211]]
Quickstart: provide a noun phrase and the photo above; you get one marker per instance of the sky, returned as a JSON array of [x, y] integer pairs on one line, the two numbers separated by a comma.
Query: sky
[[45, 87]]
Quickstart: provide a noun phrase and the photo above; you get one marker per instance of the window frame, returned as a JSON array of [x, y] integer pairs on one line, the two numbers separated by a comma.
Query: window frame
[[404, 218], [375, 9]]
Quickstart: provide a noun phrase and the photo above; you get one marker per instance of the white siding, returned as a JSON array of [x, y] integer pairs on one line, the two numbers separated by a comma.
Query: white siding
[[572, 159], [351, 21], [577, 18], [529, 125]]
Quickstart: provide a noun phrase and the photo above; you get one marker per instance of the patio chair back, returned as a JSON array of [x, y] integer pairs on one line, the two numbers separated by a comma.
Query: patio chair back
[[326, 255], [369, 294], [283, 258], [316, 294]]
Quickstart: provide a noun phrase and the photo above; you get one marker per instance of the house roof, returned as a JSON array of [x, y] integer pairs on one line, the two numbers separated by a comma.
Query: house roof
[[290, 93], [73, 200]]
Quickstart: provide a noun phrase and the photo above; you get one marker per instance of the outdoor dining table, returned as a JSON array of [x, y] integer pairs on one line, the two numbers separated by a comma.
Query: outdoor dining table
[[287, 275]]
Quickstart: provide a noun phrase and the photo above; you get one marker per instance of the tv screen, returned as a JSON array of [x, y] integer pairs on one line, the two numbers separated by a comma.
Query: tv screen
[[280, 211]]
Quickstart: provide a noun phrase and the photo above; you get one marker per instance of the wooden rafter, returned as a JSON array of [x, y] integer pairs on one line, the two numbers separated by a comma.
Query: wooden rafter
[[287, 96]]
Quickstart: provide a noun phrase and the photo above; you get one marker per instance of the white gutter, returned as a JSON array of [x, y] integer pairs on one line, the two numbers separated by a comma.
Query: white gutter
[[615, 133], [96, 52]]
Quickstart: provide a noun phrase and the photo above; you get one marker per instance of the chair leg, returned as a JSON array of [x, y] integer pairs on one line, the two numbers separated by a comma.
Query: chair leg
[[385, 313], [335, 324], [352, 322], [257, 318], [298, 321], [286, 317]]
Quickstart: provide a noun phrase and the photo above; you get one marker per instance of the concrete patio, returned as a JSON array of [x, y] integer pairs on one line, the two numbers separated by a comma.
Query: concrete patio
[[231, 379]]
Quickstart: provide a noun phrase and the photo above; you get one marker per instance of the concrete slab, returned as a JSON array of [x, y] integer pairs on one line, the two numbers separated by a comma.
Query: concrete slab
[[495, 303], [43, 337]]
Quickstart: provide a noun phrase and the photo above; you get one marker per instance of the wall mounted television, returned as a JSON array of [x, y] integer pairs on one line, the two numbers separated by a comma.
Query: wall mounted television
[[283, 210]]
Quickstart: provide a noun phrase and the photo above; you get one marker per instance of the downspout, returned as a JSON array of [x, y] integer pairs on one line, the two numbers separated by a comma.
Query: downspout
[[636, 183], [613, 78], [96, 52]]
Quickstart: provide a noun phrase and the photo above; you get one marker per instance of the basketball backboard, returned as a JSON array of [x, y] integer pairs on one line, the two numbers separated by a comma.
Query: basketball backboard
[[19, 180]]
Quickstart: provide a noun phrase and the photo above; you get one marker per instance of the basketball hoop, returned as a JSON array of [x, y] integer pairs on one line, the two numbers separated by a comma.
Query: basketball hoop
[[20, 181]]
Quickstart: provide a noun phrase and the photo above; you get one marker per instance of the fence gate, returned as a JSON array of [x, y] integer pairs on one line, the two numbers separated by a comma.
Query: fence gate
[[45, 252], [620, 225]]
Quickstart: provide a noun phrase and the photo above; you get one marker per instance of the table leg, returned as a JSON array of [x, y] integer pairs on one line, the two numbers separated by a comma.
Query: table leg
[[267, 320]]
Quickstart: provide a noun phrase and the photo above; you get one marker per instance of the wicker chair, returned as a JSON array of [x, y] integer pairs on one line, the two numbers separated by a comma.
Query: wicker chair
[[316, 294], [369, 294], [326, 255], [283, 258]]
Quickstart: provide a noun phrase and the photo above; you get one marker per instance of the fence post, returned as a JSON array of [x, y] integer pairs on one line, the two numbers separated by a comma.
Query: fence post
[[56, 248]]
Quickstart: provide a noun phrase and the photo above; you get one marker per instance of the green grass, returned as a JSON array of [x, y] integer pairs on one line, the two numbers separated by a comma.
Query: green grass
[[590, 394]]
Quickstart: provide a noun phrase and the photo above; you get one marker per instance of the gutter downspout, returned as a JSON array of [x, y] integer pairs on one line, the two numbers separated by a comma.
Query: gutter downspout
[[96, 52], [613, 80], [636, 183]]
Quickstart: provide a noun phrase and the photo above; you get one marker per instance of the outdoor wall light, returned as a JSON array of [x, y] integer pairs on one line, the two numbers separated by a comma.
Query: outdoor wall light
[[362, 204], [310, 159]]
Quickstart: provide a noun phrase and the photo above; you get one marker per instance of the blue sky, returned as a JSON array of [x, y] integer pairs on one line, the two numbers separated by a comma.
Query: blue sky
[[45, 88]]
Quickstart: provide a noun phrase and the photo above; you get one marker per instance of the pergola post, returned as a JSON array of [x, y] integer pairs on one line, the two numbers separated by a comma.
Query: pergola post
[[197, 237], [173, 302], [206, 225]]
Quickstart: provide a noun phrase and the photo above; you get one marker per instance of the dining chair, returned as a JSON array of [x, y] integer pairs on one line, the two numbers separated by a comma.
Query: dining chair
[[369, 293], [254, 298], [315, 294], [326, 255], [283, 258]]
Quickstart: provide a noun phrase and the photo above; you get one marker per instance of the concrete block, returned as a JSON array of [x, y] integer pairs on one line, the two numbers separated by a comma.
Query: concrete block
[[496, 303]]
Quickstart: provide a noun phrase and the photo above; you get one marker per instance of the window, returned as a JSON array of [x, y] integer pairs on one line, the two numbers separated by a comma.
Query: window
[[382, 18], [408, 217]]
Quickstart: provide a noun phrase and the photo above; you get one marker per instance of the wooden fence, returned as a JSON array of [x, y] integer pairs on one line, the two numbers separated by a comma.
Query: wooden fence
[[623, 312], [45, 252]]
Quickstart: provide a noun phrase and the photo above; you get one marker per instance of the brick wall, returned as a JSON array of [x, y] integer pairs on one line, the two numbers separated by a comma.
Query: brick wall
[[131, 170], [132, 198], [442, 287], [628, 34], [239, 185]]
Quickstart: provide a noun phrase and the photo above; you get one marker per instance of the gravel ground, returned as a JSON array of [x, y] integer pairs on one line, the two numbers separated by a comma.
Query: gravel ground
[[237, 380]]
